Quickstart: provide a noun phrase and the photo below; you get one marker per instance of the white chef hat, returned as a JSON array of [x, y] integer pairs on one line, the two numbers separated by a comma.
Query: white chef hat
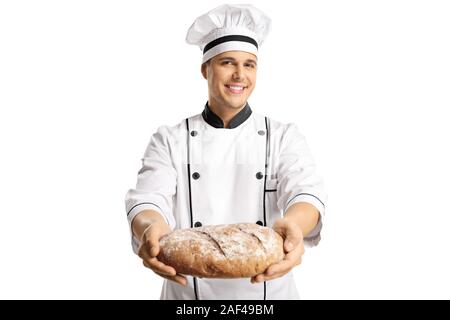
[[229, 27]]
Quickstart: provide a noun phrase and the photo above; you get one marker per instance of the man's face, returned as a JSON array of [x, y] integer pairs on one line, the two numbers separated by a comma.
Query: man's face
[[231, 78]]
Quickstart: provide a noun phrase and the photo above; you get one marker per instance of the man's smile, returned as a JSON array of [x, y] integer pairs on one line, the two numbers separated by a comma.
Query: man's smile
[[235, 88]]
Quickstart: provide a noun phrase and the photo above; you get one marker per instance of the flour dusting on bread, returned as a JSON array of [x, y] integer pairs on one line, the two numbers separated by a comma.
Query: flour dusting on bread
[[222, 251]]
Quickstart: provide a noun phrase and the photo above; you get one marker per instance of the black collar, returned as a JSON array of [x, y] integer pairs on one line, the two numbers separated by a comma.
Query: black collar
[[214, 120]]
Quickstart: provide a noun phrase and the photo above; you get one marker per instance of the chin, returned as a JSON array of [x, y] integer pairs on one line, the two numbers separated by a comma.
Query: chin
[[236, 104]]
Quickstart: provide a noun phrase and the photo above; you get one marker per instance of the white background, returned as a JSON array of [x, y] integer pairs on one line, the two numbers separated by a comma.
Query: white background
[[84, 84]]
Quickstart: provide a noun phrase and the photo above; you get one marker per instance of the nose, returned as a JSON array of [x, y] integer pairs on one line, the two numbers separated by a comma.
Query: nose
[[238, 73]]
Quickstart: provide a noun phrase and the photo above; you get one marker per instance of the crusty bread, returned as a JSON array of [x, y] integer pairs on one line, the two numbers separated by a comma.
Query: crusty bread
[[222, 251]]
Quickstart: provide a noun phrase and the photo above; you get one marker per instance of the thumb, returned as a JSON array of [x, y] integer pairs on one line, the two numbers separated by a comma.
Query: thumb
[[152, 242], [293, 239]]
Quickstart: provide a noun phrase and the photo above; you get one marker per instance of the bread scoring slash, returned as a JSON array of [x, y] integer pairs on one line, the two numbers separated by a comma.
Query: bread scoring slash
[[240, 250]]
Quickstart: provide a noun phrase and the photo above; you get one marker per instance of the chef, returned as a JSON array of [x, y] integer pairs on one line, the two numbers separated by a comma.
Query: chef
[[227, 165]]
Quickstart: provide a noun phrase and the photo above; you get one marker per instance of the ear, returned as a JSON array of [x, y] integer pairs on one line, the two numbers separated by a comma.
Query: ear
[[204, 70]]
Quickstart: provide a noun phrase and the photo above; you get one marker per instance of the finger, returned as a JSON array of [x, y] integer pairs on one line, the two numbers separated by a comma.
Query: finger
[[160, 267], [282, 267], [276, 275], [274, 269], [291, 260], [154, 269], [143, 252], [277, 271], [153, 242], [154, 263], [259, 278], [293, 239], [178, 278], [291, 233], [263, 277], [292, 242], [255, 279]]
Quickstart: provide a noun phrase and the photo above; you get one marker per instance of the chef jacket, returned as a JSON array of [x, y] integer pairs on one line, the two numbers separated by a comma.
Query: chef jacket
[[199, 173]]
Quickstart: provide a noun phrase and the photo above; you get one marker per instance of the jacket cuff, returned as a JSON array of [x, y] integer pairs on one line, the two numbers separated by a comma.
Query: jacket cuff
[[313, 238], [134, 211], [145, 206]]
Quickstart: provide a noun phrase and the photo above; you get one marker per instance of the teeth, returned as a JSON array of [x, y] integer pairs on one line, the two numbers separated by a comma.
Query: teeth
[[236, 88]]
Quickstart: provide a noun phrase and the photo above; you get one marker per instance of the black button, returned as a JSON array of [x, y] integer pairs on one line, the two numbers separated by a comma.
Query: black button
[[198, 224], [193, 133], [259, 175], [259, 222], [196, 175], [261, 132]]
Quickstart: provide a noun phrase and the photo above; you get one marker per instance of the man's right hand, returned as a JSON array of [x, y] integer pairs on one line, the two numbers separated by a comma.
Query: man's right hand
[[149, 250]]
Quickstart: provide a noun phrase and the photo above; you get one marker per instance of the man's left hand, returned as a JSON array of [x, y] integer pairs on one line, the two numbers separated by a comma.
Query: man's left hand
[[293, 247]]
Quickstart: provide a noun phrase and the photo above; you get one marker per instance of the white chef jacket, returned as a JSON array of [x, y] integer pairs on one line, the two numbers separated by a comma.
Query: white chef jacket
[[199, 173]]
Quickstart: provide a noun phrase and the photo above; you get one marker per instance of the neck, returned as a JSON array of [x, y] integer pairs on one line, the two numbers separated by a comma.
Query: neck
[[225, 112]]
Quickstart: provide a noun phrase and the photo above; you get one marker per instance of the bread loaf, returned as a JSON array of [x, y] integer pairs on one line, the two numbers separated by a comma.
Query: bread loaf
[[222, 251]]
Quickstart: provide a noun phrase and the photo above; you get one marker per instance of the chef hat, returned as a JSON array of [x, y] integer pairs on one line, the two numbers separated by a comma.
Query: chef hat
[[229, 27]]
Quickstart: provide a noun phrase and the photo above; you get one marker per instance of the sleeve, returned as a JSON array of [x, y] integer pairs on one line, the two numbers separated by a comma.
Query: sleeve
[[156, 183], [297, 179]]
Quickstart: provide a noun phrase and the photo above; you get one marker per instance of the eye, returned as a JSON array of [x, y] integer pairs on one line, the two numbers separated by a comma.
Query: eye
[[251, 65], [226, 62]]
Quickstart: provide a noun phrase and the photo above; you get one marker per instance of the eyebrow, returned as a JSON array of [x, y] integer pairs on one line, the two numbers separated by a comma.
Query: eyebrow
[[233, 59]]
